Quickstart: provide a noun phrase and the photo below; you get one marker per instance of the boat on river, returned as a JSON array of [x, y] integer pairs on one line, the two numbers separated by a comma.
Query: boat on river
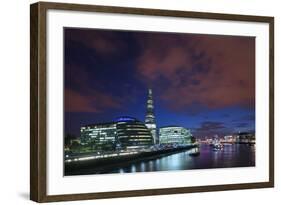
[[194, 152], [217, 146]]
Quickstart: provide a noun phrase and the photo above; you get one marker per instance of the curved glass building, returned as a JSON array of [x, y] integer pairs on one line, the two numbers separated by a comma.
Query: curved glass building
[[133, 134]]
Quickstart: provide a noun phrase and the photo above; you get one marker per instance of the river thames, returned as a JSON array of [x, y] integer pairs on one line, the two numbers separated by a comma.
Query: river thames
[[236, 155]]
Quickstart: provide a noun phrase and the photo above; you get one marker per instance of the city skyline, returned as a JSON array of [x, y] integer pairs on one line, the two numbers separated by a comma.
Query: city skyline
[[205, 83]]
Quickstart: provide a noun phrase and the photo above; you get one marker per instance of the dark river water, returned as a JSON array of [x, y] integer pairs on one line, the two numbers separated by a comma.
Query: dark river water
[[237, 155]]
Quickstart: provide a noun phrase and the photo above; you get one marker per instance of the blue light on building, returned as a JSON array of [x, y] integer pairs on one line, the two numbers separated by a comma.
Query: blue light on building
[[125, 119]]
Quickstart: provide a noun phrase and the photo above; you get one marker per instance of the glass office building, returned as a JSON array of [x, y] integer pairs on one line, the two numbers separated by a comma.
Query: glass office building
[[133, 134], [99, 135], [174, 135], [123, 133]]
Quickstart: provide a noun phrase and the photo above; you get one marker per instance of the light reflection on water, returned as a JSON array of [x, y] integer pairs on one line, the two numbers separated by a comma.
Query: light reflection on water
[[231, 156], [133, 168]]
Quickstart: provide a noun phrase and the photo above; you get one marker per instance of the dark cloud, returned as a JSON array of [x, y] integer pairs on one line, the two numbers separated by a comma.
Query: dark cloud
[[103, 42], [195, 72], [211, 128], [108, 72], [214, 71], [81, 96], [93, 102]]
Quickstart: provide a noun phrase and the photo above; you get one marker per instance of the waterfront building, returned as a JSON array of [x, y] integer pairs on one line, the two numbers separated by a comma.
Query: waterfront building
[[133, 134], [228, 139], [245, 138], [122, 133], [101, 136], [175, 135], [150, 117]]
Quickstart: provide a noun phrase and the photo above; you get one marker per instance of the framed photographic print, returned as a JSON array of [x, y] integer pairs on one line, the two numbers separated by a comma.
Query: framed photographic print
[[135, 102]]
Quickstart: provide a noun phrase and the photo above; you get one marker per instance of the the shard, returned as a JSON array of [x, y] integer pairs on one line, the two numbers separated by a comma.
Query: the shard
[[150, 117]]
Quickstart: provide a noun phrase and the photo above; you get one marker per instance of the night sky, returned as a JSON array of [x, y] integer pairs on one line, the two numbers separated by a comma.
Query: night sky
[[202, 82]]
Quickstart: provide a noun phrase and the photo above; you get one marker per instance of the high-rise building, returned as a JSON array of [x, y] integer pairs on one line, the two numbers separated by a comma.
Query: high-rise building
[[175, 135], [150, 118]]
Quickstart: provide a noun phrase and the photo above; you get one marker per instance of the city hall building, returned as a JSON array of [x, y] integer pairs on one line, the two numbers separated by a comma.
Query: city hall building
[[174, 135], [132, 133], [124, 133]]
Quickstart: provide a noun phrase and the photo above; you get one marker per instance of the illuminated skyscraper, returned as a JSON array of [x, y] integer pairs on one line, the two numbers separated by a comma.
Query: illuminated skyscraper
[[150, 118]]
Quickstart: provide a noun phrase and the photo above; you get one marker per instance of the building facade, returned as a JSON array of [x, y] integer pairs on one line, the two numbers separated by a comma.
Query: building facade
[[150, 117], [101, 136], [175, 135], [245, 138], [122, 133], [133, 134], [228, 139]]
